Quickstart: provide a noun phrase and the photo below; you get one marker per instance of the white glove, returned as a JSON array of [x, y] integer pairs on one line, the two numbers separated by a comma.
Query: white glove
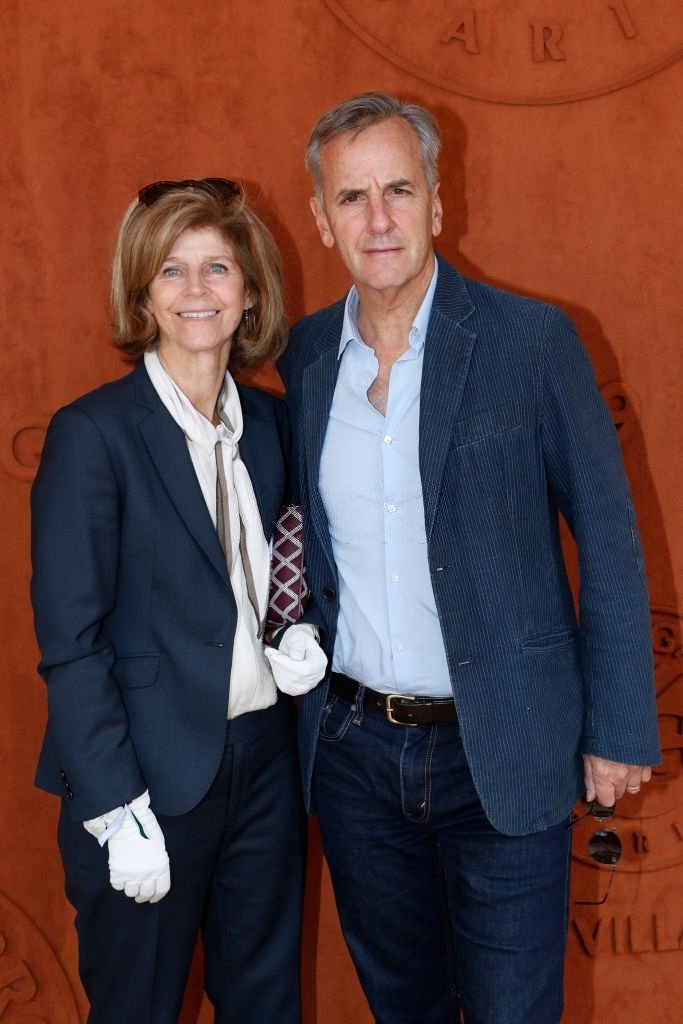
[[138, 862], [300, 662]]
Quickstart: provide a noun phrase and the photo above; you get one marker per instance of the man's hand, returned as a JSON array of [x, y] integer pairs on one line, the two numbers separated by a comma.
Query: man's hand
[[607, 781], [138, 862], [299, 663]]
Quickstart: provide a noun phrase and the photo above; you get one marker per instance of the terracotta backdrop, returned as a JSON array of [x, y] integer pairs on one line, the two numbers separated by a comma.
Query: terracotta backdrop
[[560, 179]]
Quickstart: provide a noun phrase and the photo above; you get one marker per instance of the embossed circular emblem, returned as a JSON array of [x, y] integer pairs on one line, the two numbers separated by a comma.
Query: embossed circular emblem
[[624, 407], [21, 440], [533, 52]]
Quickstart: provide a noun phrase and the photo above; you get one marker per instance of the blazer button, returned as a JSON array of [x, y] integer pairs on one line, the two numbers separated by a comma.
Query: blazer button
[[329, 593]]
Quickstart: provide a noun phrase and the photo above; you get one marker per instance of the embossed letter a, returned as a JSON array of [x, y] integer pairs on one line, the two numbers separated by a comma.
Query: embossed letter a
[[463, 28]]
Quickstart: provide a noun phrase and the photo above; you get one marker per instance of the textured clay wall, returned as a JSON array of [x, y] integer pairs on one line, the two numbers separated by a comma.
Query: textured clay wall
[[561, 179]]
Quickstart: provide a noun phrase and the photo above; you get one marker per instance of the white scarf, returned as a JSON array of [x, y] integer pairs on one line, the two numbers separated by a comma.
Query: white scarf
[[202, 436]]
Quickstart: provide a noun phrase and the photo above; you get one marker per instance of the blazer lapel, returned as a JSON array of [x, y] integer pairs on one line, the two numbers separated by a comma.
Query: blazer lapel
[[448, 350], [166, 444], [259, 455], [319, 380]]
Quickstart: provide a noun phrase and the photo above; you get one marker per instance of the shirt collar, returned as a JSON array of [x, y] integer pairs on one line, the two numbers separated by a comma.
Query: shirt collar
[[418, 332]]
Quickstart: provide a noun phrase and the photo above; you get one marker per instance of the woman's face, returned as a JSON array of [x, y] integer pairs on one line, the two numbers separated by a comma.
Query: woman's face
[[198, 296]]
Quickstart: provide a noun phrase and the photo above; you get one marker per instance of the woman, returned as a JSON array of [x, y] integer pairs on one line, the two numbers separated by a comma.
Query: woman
[[152, 510]]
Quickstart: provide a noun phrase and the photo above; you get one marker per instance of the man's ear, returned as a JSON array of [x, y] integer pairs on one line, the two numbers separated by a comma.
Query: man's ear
[[321, 222], [437, 212]]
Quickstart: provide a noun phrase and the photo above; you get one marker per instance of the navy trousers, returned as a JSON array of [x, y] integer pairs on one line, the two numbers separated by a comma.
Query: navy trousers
[[236, 875], [442, 914]]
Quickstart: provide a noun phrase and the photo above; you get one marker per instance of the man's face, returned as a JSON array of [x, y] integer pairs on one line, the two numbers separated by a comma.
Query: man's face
[[377, 209]]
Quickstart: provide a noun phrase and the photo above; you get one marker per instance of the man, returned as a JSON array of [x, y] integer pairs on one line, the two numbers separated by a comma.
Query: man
[[443, 426]]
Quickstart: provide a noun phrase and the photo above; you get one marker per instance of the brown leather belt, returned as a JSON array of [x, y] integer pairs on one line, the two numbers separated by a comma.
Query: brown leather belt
[[399, 708]]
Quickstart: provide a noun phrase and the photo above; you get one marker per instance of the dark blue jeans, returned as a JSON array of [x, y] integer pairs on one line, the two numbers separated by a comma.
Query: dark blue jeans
[[442, 914]]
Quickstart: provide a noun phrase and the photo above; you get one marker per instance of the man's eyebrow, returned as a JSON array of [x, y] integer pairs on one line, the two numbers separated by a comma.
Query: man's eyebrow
[[344, 193]]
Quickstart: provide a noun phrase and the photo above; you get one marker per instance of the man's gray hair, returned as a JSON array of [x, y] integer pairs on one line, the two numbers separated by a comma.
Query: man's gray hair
[[362, 111]]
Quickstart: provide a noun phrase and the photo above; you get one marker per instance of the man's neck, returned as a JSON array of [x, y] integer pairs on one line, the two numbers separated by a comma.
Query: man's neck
[[386, 317]]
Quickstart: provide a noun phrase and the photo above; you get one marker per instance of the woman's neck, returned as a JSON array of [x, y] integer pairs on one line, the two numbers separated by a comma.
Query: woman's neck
[[199, 376]]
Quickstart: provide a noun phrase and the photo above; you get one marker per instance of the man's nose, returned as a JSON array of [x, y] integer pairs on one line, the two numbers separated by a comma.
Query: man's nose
[[379, 215]]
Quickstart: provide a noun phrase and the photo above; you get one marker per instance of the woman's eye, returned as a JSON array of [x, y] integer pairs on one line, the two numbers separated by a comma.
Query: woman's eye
[[170, 272], [217, 268]]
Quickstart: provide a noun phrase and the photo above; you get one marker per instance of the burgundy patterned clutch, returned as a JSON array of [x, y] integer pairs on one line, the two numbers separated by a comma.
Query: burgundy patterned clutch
[[288, 587]]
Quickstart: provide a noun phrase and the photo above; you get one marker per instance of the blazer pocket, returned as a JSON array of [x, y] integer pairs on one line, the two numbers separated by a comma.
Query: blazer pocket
[[132, 671], [486, 424], [554, 641]]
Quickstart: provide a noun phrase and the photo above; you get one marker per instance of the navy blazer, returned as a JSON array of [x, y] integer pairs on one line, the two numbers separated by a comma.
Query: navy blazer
[[134, 612], [513, 432]]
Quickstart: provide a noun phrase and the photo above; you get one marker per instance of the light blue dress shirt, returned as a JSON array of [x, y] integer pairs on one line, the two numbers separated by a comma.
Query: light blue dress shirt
[[388, 633]]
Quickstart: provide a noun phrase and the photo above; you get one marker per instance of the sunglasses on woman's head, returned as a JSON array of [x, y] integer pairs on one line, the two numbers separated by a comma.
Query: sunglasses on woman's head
[[224, 188]]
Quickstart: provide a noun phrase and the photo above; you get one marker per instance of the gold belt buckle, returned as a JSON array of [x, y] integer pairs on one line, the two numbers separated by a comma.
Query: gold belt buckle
[[390, 710]]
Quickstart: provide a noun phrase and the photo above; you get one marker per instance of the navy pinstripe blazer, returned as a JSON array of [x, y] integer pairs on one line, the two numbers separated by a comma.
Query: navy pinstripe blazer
[[513, 433]]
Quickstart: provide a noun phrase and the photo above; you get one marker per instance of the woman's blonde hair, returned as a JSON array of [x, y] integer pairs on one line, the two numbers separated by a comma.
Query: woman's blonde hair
[[148, 233]]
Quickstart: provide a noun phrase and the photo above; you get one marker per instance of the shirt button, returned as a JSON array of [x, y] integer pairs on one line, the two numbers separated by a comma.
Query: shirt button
[[400, 647], [387, 438], [395, 577], [391, 508]]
